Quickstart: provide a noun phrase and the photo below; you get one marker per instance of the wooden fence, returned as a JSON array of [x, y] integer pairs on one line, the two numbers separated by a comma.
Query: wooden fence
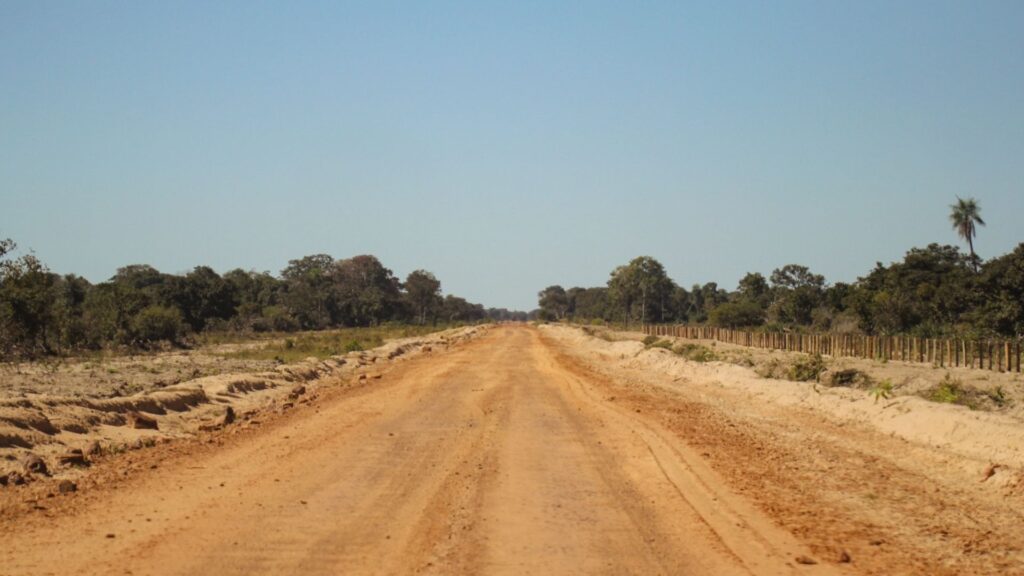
[[997, 355]]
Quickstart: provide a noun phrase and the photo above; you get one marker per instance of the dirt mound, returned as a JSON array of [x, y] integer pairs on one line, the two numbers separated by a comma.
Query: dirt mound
[[49, 424], [980, 438], [893, 484]]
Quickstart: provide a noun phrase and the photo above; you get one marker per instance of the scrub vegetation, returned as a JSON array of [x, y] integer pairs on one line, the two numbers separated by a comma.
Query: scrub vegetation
[[936, 291], [44, 314]]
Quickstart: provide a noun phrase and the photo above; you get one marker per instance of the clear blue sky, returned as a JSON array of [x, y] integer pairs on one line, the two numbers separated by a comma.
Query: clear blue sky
[[507, 146]]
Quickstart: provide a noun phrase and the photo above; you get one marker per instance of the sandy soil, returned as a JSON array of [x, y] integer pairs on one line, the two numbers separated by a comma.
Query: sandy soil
[[494, 457], [526, 451], [903, 486], [109, 377], [64, 411], [907, 378]]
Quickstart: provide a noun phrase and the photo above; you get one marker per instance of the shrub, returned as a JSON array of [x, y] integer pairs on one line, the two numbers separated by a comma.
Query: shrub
[[156, 324], [737, 315], [807, 369], [997, 396], [771, 369], [740, 359], [882, 390], [605, 335], [649, 340], [695, 352], [279, 319], [848, 378], [949, 391], [952, 391]]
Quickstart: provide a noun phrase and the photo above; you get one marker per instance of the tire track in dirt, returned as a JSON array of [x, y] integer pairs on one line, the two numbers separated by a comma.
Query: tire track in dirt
[[691, 499], [895, 508], [491, 458]]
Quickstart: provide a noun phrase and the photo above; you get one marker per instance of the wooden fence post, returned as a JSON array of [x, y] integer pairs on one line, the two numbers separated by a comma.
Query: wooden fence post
[[1018, 355], [1001, 355]]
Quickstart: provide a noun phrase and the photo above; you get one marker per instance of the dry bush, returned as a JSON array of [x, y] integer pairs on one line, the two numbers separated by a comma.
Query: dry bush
[[951, 391]]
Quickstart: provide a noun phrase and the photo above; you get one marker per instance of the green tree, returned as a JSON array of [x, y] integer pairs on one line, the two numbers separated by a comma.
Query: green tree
[[796, 292], [739, 314], [202, 295], [101, 316], [423, 290], [6, 247], [966, 217], [571, 296], [155, 324], [754, 288], [793, 276], [643, 281], [553, 302], [927, 293], [704, 299], [68, 311], [367, 293], [27, 290], [696, 311], [1002, 284], [590, 303], [310, 291], [680, 304], [456, 309], [134, 288], [256, 293], [505, 315]]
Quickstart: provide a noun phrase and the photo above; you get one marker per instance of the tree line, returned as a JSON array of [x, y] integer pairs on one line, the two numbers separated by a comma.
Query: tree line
[[934, 291], [42, 312]]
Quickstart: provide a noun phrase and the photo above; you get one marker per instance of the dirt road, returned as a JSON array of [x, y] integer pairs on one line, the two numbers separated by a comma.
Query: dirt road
[[493, 458]]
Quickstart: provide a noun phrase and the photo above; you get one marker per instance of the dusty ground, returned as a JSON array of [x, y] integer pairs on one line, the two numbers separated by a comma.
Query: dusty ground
[[987, 390], [48, 412], [525, 451], [904, 486], [102, 376]]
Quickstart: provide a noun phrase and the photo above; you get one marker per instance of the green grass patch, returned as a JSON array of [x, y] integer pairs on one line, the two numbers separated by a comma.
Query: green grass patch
[[949, 391], [882, 390]]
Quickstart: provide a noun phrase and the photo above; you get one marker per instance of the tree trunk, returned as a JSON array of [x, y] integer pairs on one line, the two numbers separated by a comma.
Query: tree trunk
[[974, 261], [643, 307]]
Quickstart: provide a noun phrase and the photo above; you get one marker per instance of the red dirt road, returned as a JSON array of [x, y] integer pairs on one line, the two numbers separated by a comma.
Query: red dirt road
[[497, 457]]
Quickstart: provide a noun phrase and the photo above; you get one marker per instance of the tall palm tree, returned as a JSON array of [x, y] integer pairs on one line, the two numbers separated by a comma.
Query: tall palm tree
[[965, 216]]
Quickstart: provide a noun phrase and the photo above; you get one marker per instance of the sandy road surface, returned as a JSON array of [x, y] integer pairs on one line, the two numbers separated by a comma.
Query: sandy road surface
[[492, 458]]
